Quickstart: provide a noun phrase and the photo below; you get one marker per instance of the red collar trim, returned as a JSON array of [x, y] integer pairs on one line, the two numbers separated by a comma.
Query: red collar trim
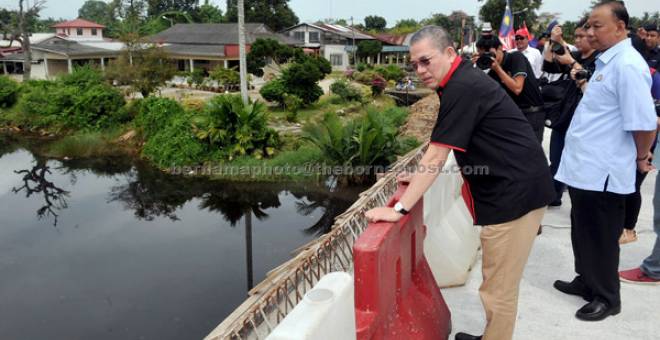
[[448, 76]]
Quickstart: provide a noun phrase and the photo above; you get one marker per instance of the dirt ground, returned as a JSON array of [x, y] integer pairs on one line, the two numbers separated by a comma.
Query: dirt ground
[[422, 118]]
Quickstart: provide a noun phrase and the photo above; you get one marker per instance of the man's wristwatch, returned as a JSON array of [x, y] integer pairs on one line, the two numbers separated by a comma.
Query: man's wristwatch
[[398, 207]]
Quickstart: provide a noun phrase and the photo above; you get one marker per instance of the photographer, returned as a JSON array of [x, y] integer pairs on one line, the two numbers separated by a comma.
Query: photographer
[[561, 62], [515, 74]]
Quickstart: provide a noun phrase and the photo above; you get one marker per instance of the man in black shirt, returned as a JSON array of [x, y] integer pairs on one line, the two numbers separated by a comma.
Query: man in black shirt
[[504, 168], [652, 51], [553, 63], [514, 72]]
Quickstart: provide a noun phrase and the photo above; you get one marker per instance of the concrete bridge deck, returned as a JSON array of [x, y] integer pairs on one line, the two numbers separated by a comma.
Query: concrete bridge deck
[[545, 313]]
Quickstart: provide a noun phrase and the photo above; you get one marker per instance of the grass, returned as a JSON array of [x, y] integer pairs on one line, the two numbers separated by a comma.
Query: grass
[[87, 144], [332, 103]]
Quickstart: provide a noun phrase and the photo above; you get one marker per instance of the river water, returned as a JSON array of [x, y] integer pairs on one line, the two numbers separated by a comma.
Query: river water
[[115, 249]]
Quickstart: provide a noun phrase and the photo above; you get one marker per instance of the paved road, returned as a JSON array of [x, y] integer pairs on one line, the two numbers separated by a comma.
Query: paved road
[[544, 313]]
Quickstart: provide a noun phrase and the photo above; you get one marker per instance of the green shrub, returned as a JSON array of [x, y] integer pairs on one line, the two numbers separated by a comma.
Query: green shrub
[[301, 79], [8, 91], [196, 77], [365, 77], [231, 128], [346, 91], [292, 103], [83, 77], [44, 102], [226, 76], [369, 140], [273, 91], [99, 106], [154, 114], [80, 100], [390, 72], [361, 67], [175, 144]]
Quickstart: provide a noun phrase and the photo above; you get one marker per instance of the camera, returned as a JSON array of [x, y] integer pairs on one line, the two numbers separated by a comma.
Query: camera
[[485, 60], [557, 48], [582, 75]]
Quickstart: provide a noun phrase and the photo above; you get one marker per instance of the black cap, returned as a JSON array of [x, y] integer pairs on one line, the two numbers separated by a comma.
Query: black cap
[[651, 27]]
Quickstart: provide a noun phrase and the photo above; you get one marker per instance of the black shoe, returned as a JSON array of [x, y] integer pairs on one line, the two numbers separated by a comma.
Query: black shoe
[[574, 287], [597, 310], [465, 336], [556, 203]]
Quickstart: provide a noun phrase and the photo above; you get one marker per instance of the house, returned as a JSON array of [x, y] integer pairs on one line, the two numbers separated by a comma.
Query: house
[[74, 43], [207, 46], [80, 29], [339, 44]]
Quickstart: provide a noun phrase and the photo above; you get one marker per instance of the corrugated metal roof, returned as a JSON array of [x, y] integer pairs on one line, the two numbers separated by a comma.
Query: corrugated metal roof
[[189, 50], [71, 48], [216, 34]]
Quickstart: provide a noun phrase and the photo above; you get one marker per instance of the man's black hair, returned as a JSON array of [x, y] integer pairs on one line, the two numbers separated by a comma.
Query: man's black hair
[[582, 22], [488, 43], [651, 27], [618, 9]]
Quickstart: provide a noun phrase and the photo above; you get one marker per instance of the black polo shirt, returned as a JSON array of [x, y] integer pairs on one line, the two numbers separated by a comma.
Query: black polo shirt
[[504, 167], [516, 64]]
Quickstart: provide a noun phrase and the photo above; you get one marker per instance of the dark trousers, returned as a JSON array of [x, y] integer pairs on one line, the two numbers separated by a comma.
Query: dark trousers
[[634, 203], [537, 119], [596, 224], [557, 139]]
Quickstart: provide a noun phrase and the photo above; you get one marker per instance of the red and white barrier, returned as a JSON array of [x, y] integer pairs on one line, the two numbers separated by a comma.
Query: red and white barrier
[[396, 295]]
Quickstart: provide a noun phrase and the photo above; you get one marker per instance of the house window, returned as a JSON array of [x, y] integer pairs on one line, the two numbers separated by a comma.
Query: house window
[[314, 37], [300, 36], [94, 32], [79, 31], [337, 59]]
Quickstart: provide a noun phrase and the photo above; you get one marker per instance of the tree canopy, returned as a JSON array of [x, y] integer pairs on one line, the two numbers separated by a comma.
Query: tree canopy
[[493, 10], [375, 23], [276, 14]]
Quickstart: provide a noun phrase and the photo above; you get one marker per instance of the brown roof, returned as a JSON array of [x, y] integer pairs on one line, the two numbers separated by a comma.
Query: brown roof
[[392, 39], [216, 34], [78, 23]]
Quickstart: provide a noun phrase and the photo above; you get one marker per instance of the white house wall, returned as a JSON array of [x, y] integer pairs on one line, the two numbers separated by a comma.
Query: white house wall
[[329, 50], [38, 71]]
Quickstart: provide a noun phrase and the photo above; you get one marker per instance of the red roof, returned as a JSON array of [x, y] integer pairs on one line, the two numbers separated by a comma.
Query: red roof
[[78, 23]]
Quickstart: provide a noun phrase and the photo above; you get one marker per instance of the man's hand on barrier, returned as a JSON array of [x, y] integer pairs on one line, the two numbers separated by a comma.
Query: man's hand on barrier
[[382, 214]]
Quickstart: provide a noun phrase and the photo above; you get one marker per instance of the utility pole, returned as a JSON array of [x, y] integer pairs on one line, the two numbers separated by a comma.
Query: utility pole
[[354, 47], [25, 38], [241, 51]]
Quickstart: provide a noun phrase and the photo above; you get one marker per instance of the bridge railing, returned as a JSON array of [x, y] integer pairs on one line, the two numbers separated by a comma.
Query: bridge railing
[[284, 287]]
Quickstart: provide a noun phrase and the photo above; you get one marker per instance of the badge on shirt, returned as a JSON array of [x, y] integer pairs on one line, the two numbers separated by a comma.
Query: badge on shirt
[[599, 78]]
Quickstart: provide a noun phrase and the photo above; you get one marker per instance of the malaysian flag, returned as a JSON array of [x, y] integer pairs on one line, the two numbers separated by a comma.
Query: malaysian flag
[[507, 34]]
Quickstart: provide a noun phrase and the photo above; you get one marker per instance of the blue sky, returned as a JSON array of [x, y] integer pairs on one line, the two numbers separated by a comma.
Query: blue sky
[[312, 10]]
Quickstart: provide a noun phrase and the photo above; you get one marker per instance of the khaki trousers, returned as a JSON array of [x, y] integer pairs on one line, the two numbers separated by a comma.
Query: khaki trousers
[[506, 248]]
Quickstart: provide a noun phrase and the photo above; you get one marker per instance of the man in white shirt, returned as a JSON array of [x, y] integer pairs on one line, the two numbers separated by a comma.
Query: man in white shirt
[[532, 54], [610, 136]]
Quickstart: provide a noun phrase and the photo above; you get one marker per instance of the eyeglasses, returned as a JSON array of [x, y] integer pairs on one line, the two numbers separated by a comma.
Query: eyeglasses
[[423, 61], [520, 37]]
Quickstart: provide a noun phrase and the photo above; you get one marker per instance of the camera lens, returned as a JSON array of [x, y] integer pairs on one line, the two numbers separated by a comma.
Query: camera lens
[[558, 48], [485, 61], [582, 74]]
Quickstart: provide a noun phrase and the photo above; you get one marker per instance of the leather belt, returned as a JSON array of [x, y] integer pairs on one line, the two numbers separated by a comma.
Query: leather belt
[[532, 109]]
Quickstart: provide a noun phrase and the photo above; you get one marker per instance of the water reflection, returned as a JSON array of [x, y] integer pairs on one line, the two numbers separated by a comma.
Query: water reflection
[[35, 182], [161, 248]]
